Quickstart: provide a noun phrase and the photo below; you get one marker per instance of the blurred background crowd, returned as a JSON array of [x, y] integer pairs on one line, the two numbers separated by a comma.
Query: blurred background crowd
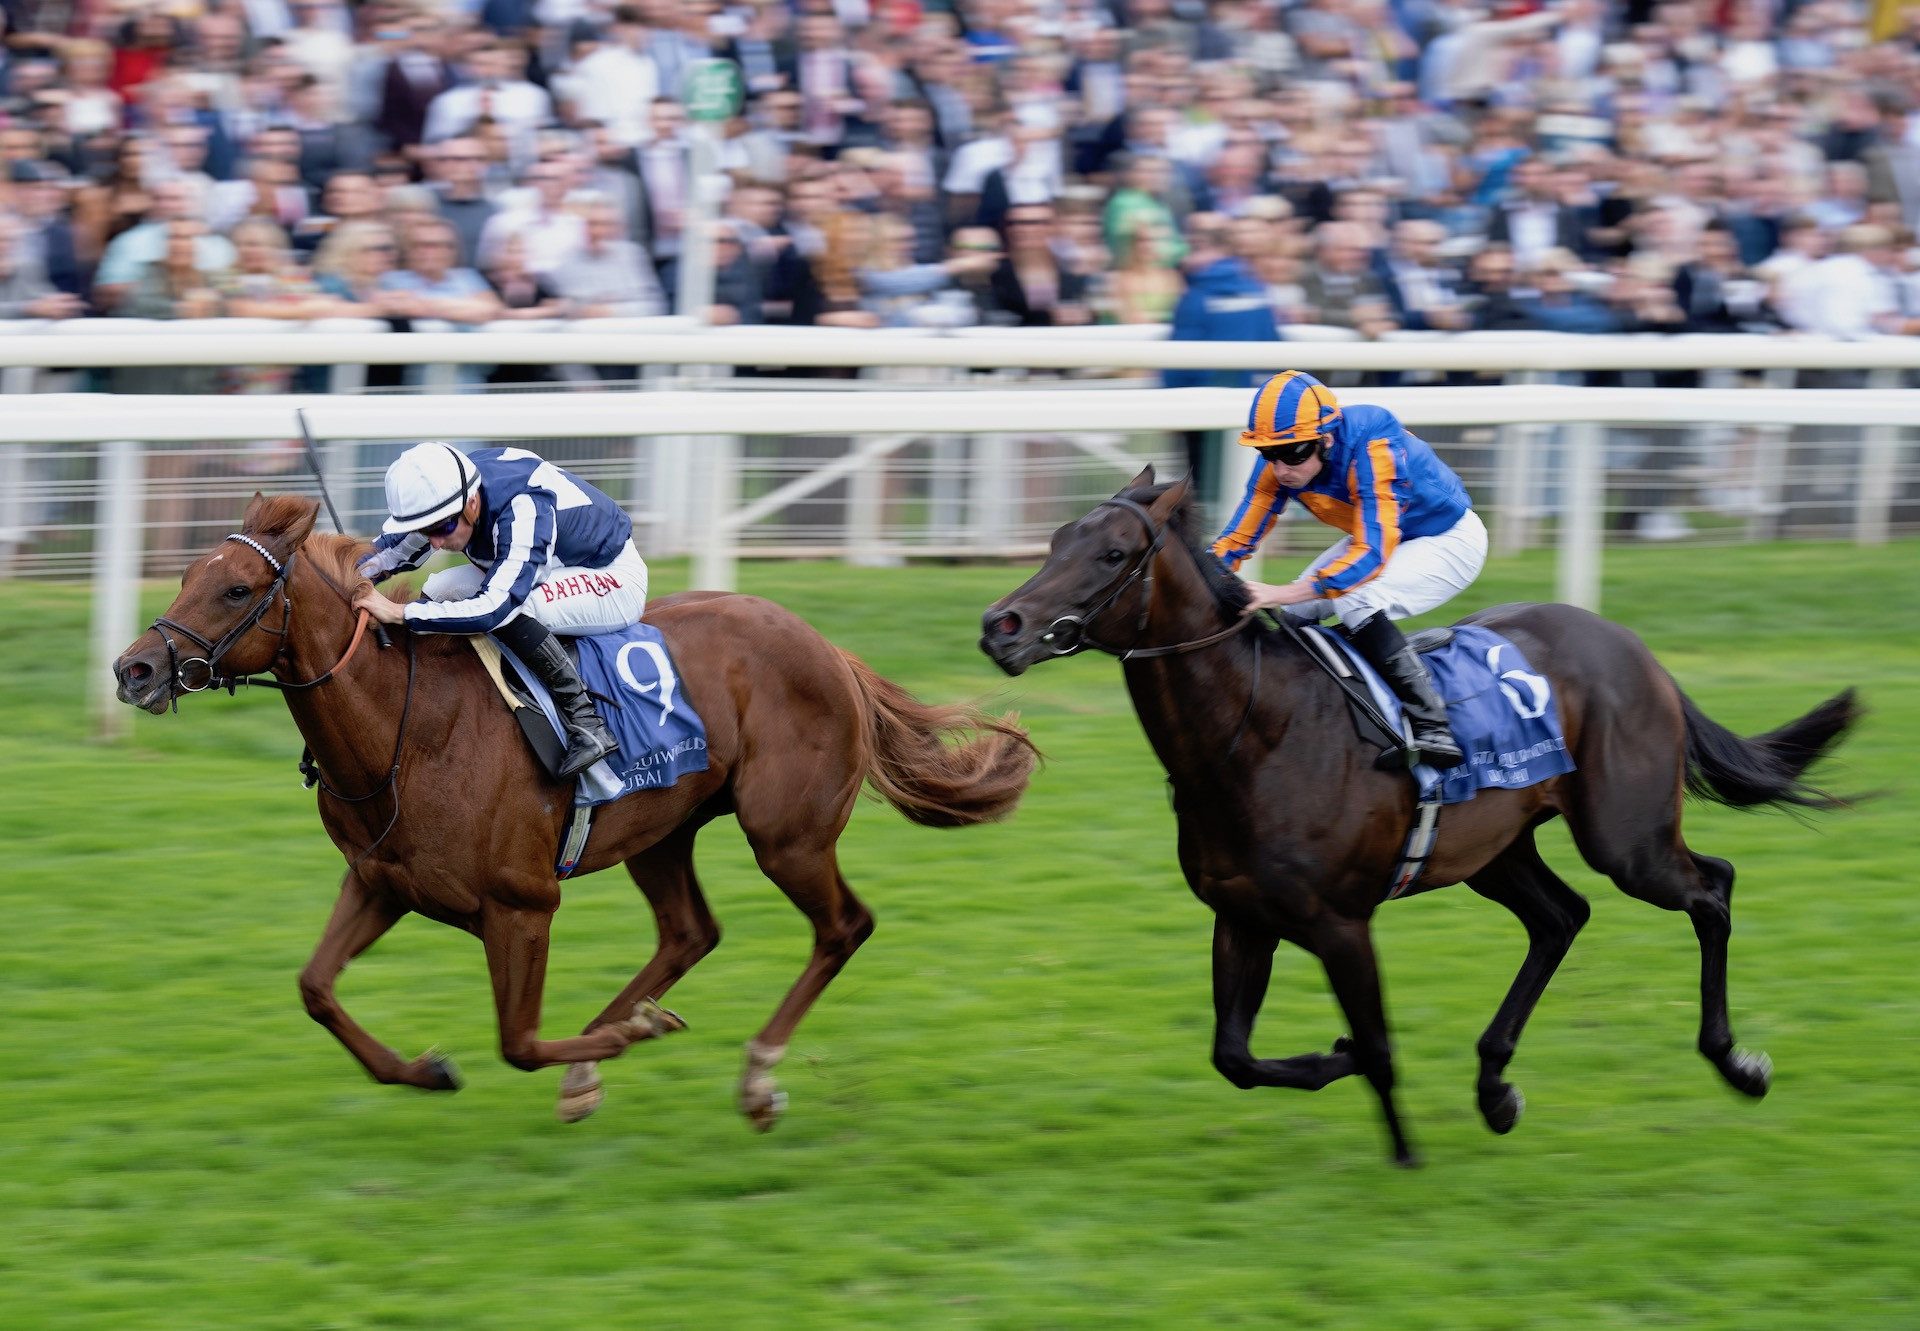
[[1654, 166]]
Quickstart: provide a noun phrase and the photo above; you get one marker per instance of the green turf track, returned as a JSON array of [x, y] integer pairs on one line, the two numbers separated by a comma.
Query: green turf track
[[1002, 1114]]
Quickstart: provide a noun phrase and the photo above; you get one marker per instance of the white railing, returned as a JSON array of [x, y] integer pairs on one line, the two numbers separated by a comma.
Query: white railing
[[1550, 449], [128, 342]]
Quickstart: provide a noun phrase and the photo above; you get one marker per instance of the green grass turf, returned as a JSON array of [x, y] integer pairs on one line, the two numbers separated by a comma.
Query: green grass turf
[[1002, 1113]]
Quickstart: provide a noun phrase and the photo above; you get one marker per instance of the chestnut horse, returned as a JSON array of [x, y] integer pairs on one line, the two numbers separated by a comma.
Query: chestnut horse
[[1288, 831], [432, 794]]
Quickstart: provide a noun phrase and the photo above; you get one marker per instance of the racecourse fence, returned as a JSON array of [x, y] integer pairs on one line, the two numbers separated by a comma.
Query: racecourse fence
[[940, 447]]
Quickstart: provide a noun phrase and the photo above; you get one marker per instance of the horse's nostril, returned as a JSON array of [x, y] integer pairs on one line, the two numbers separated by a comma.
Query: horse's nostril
[[1006, 624], [138, 672]]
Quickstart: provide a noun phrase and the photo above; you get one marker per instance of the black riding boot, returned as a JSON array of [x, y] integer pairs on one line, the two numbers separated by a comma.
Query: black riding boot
[[1385, 647], [588, 739]]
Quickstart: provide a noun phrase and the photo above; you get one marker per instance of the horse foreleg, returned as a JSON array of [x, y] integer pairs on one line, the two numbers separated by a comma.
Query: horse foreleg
[[1345, 949], [1552, 913], [1242, 966], [360, 916], [516, 941]]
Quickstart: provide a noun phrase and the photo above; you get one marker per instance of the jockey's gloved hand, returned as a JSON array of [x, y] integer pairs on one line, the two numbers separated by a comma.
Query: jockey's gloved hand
[[370, 570]]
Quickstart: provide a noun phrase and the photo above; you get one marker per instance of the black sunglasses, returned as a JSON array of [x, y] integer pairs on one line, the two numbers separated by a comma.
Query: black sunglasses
[[1291, 455], [442, 528]]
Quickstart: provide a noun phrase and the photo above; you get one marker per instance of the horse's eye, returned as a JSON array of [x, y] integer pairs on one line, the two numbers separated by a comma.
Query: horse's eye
[[1114, 556], [238, 592]]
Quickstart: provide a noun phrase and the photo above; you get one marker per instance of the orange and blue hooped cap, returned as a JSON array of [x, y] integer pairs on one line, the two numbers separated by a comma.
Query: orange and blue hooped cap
[[1291, 412]]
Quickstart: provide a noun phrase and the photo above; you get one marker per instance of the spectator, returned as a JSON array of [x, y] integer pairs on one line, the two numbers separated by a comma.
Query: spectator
[[492, 91], [610, 276], [1851, 294], [414, 74], [178, 284], [1491, 303], [1148, 284], [434, 286], [456, 170], [1419, 289], [349, 196], [736, 281], [25, 292], [522, 295], [666, 176], [1531, 219], [1558, 305], [90, 105], [1341, 288], [350, 265], [1224, 302], [1030, 287], [553, 233], [135, 250], [898, 292], [48, 242]]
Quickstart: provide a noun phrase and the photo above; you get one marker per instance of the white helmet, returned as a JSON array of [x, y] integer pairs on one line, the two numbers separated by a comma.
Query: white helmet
[[427, 484]]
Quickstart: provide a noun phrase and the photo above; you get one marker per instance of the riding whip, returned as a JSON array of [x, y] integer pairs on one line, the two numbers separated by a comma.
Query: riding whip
[[313, 461]]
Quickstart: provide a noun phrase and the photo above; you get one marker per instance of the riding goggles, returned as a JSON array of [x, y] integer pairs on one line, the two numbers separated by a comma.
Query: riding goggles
[[444, 527], [1286, 452]]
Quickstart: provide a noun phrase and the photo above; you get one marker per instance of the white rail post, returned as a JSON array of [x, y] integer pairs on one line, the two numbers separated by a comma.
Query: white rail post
[[116, 579], [13, 478], [994, 496], [1873, 492], [715, 565], [1579, 570], [1770, 468], [866, 491], [1513, 483]]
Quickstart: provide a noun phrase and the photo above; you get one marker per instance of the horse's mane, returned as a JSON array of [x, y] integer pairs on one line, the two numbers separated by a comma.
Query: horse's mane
[[1229, 593], [336, 555], [279, 516]]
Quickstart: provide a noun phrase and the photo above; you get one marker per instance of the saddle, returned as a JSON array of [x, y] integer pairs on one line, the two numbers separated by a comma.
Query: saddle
[[548, 744], [1369, 723]]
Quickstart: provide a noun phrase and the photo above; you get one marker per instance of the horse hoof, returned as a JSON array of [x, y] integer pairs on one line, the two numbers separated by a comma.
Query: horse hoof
[[1503, 1111], [440, 1073], [580, 1093], [650, 1021], [763, 1109], [1407, 1160], [1749, 1074]]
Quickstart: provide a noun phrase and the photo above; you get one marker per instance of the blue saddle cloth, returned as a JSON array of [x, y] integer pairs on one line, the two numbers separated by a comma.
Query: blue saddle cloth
[[661, 737], [1505, 717]]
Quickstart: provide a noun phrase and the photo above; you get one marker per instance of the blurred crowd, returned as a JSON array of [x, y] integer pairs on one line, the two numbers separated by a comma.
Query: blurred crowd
[[1654, 166]]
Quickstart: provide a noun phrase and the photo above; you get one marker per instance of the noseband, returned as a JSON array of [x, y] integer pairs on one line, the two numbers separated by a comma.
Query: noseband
[[212, 652], [1068, 636]]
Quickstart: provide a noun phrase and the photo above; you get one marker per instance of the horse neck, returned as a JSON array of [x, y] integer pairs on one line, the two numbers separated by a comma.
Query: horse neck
[[1192, 704], [349, 721]]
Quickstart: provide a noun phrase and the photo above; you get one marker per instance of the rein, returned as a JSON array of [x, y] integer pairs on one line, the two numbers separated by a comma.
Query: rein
[[1076, 624], [1142, 572], [213, 651]]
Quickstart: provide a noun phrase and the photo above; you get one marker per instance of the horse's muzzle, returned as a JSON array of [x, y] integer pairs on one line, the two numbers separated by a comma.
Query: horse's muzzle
[[1002, 639], [142, 683]]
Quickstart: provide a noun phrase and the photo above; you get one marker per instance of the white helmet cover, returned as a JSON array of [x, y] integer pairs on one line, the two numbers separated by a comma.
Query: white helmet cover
[[427, 484]]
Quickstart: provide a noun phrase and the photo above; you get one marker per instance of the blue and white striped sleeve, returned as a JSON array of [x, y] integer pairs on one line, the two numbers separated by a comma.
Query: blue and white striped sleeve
[[395, 552], [524, 537]]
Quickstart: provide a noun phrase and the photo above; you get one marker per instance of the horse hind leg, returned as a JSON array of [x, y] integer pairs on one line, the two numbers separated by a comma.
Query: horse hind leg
[[841, 923], [1660, 870], [1750, 1073], [686, 931], [1553, 914]]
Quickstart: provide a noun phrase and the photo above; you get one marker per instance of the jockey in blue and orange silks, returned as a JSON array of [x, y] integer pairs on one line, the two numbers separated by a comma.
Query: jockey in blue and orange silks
[[1412, 539]]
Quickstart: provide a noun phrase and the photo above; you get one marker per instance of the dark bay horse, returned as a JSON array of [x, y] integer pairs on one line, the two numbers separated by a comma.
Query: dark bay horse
[[1288, 832], [433, 796]]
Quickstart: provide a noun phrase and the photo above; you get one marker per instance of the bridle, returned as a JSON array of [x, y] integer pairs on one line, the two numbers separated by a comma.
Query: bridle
[[1068, 636], [213, 652], [1142, 572]]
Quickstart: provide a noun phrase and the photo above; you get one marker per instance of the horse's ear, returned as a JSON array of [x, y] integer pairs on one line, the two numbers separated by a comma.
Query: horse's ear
[[284, 520], [1140, 482], [299, 525], [1170, 499]]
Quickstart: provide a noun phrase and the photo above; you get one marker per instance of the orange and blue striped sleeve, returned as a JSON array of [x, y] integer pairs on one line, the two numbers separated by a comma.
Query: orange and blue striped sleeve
[[1376, 531], [1253, 519]]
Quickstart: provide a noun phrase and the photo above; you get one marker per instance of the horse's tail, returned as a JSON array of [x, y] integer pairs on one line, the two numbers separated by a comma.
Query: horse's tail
[[1748, 773], [934, 782]]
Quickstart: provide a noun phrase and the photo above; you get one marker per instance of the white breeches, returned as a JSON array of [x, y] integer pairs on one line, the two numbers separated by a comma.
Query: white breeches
[[1422, 574], [572, 601]]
